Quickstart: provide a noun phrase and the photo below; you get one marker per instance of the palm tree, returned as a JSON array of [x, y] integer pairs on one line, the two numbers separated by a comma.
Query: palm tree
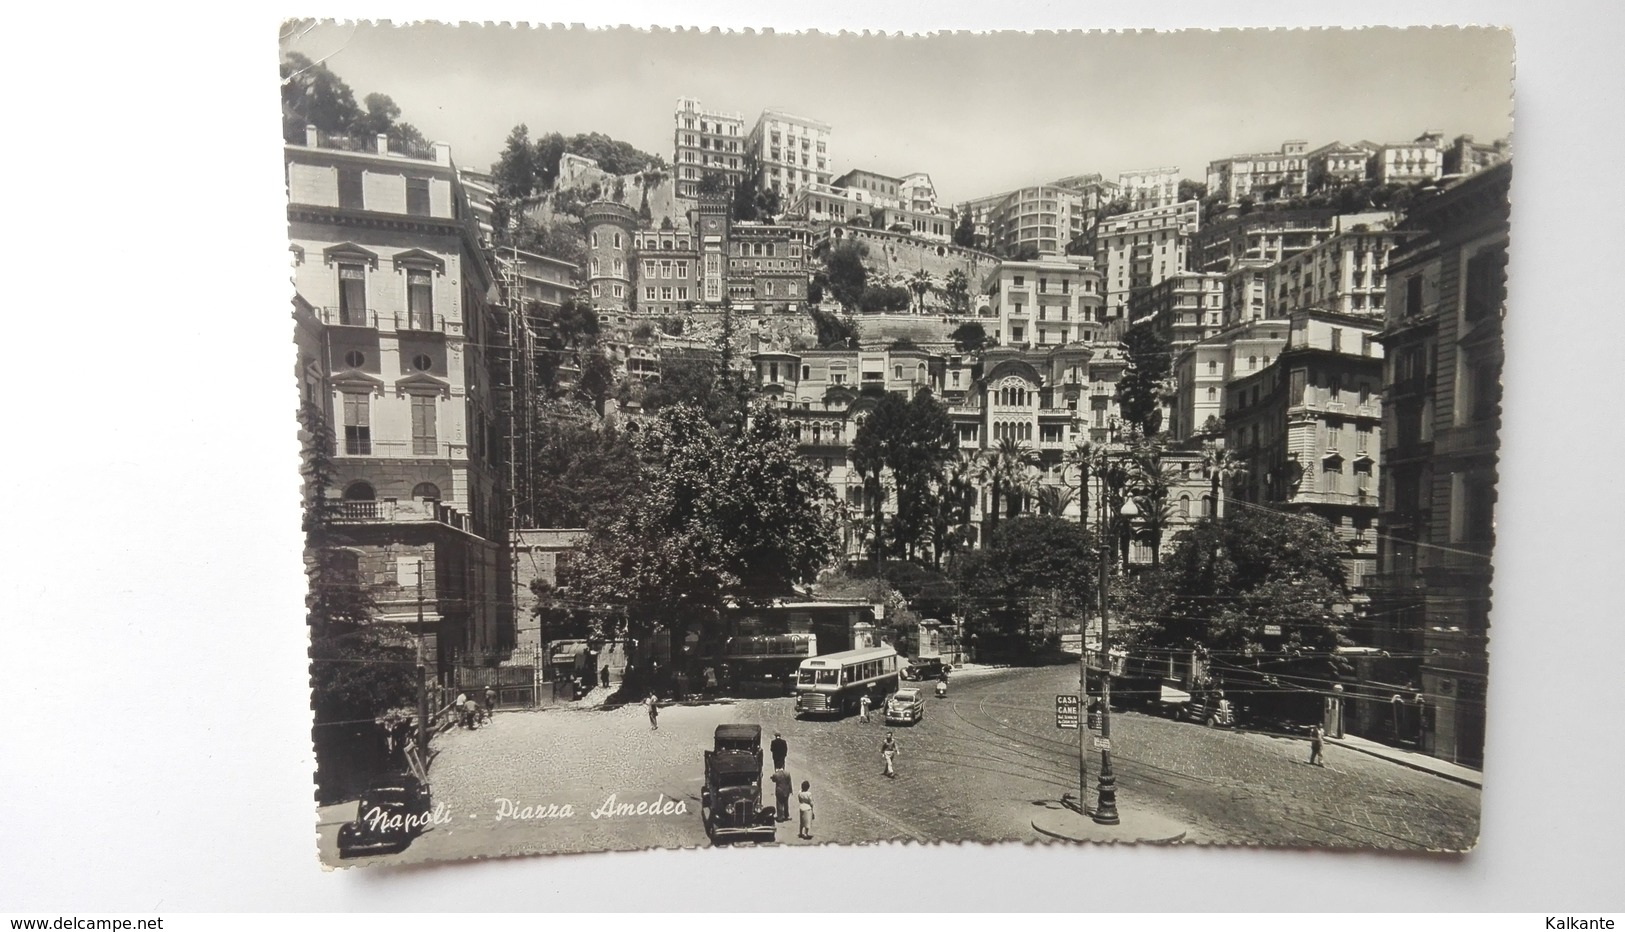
[[921, 284], [1006, 469], [1150, 481], [1223, 468], [957, 287], [1054, 500], [954, 493], [1082, 456]]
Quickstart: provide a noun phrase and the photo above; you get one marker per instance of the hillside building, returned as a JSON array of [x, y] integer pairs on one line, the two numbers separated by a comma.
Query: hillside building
[[1142, 248], [706, 142], [1263, 176], [1050, 301], [788, 152]]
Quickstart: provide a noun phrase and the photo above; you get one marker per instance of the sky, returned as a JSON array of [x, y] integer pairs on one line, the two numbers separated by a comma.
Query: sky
[[981, 113]]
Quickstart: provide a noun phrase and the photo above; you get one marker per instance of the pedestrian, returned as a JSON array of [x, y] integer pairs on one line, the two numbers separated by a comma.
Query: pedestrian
[[1317, 746], [461, 708], [654, 712], [888, 753], [490, 702], [863, 708], [780, 750], [942, 689], [604, 678], [805, 804], [473, 713], [782, 785]]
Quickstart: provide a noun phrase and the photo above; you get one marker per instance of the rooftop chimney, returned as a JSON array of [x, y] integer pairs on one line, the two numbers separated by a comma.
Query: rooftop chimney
[[383, 143], [313, 136], [442, 153]]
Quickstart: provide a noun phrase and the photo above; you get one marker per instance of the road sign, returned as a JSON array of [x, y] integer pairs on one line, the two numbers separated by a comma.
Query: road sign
[[1102, 744], [1066, 711], [1272, 630]]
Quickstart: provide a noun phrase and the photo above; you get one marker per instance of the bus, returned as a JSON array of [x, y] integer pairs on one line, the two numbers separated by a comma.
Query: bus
[[833, 684]]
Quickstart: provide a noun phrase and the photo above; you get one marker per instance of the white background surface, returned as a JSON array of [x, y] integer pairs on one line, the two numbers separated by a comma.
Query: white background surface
[[157, 758]]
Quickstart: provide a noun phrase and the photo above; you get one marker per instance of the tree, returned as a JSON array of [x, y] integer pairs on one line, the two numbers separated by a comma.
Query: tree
[[312, 95], [612, 155], [514, 172], [957, 287], [880, 299], [921, 283], [1054, 500], [969, 337], [717, 518], [1082, 457], [597, 380], [590, 468], [955, 496], [872, 445], [1150, 360], [1150, 482], [846, 274], [1030, 563], [833, 330], [1226, 584], [1192, 190], [1005, 471], [965, 230]]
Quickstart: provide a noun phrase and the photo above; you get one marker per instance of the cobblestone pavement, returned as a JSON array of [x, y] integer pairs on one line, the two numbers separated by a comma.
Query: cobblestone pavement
[[973, 770]]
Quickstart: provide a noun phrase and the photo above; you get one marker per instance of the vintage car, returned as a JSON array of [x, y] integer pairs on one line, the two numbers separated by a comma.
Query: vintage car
[[731, 801], [925, 668], [905, 707], [390, 814]]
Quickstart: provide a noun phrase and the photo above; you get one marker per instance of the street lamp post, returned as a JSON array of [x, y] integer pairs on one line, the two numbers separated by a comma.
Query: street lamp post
[[1106, 783], [1083, 670]]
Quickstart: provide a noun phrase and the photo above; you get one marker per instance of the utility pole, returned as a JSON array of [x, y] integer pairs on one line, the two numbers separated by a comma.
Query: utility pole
[[1106, 804]]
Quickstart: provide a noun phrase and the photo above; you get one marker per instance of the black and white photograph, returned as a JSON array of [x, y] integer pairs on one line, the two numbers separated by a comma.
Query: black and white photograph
[[748, 438]]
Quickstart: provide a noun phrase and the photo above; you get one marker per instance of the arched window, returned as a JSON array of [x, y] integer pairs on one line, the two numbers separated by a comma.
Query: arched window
[[360, 491], [1184, 506], [426, 491]]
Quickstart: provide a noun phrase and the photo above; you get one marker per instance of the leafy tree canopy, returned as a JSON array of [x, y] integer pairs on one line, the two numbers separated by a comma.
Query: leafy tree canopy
[[313, 95], [1150, 360], [1026, 560], [846, 274], [1226, 580], [834, 331], [969, 336]]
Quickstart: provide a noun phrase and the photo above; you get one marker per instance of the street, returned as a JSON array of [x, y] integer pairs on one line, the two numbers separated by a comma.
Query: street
[[974, 769]]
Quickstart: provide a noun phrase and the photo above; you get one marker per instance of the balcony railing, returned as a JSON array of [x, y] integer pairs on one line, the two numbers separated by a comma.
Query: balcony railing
[[392, 512], [348, 317], [402, 449], [420, 321]]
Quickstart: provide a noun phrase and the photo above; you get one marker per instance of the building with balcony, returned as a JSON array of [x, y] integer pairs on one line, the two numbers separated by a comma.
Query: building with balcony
[[1182, 308], [918, 193], [706, 142], [1261, 238], [1246, 291], [1420, 160], [788, 152], [1149, 188], [1263, 176], [1203, 369], [398, 354], [822, 204], [767, 265], [1043, 217], [668, 282], [1047, 400], [1140, 249], [880, 190], [1335, 164], [1049, 301], [1308, 427], [1443, 341], [1342, 273]]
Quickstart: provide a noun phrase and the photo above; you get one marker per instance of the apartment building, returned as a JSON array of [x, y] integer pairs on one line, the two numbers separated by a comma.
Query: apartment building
[[396, 356], [1343, 273], [1308, 427], [1142, 248], [1444, 344], [1263, 176], [1049, 301], [1202, 370], [788, 152], [880, 190], [706, 142], [1149, 188], [1335, 164], [1420, 160], [1183, 308], [1466, 157]]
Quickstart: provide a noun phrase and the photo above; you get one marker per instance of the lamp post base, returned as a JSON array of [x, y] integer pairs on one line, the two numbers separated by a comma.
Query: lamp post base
[[1106, 804]]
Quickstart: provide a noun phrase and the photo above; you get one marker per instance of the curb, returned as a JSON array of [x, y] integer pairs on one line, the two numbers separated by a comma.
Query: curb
[[1479, 785]]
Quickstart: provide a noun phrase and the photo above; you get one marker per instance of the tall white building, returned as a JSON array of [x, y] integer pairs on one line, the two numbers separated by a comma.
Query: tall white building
[[789, 152], [706, 142]]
